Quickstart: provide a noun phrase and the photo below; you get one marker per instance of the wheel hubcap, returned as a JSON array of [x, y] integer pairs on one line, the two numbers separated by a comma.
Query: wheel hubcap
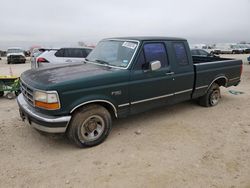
[[215, 97], [92, 128]]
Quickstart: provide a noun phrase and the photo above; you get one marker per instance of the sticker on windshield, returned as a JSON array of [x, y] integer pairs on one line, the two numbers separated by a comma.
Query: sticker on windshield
[[129, 45], [124, 63]]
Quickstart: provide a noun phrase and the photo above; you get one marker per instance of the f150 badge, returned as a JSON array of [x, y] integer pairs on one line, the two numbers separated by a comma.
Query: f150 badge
[[115, 93]]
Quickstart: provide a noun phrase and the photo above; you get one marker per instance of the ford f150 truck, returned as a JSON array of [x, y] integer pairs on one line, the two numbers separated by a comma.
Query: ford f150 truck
[[121, 77]]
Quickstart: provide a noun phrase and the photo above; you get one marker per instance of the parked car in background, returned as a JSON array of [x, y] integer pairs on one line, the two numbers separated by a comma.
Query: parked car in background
[[34, 54], [237, 49], [59, 56], [245, 48], [226, 48], [201, 52], [206, 47], [248, 59], [15, 55]]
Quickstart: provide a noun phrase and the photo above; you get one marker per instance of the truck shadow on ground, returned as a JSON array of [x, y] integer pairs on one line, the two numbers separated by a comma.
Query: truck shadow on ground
[[141, 120], [61, 140]]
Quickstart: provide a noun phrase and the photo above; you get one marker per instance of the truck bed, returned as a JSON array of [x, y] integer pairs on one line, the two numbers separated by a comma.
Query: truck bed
[[209, 68], [199, 59]]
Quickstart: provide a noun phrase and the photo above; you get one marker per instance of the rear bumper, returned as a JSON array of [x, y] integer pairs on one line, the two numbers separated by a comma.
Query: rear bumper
[[45, 123]]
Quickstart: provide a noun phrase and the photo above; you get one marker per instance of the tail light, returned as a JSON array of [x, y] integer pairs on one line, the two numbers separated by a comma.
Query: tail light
[[241, 69], [42, 60]]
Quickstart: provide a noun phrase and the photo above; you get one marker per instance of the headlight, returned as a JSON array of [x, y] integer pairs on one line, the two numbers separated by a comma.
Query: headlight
[[40, 96], [47, 99]]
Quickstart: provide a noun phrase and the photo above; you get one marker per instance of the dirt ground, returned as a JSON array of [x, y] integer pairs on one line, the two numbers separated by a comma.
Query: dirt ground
[[185, 145]]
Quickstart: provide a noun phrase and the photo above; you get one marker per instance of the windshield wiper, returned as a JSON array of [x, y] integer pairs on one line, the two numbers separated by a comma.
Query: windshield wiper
[[102, 62]]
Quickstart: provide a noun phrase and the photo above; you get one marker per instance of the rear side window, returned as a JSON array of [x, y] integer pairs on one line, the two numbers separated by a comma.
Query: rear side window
[[204, 53], [194, 52], [60, 53], [156, 52], [87, 51], [74, 52], [180, 53]]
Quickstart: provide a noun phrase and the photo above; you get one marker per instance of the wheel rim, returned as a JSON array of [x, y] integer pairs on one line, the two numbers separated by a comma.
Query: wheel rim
[[92, 128], [215, 96], [10, 95]]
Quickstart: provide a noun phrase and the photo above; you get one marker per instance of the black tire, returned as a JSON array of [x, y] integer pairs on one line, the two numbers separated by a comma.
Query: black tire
[[10, 95], [17, 92], [211, 98], [1, 93], [84, 125]]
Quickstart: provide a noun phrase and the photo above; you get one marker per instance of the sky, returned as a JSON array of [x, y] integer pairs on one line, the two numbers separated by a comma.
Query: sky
[[58, 23]]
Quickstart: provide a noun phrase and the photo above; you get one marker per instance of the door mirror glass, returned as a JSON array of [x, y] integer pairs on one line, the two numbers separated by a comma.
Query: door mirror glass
[[155, 65]]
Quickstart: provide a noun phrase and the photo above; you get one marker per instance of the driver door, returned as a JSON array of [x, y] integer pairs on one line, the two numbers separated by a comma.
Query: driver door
[[149, 89]]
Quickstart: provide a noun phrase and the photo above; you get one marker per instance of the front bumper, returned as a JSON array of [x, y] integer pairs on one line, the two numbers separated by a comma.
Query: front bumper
[[17, 59], [45, 123]]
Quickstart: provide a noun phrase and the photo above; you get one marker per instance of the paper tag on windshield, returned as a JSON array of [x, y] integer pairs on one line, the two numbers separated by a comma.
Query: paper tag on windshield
[[129, 45]]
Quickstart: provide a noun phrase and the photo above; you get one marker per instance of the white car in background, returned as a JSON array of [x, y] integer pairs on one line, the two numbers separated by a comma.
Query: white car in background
[[54, 57], [15, 55], [228, 49], [34, 54]]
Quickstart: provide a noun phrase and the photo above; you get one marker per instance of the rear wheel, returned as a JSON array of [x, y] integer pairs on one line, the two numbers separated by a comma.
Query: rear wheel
[[212, 97], [1, 93], [90, 126]]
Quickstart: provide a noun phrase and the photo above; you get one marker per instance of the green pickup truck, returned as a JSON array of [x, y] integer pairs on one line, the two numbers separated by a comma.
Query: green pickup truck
[[120, 77]]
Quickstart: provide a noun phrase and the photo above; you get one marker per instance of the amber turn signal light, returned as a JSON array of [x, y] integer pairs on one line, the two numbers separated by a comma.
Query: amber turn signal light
[[48, 106]]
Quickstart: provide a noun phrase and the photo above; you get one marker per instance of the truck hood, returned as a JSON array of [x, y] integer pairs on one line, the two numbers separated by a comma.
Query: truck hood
[[17, 54], [46, 78]]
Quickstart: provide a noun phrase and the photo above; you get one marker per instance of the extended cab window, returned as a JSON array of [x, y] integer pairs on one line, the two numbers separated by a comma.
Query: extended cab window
[[180, 53]]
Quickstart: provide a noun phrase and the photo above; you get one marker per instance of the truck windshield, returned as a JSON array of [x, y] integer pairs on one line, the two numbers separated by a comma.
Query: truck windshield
[[14, 51], [116, 53]]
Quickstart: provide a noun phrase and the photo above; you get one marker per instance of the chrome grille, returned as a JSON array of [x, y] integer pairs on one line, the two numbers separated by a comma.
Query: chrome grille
[[27, 93]]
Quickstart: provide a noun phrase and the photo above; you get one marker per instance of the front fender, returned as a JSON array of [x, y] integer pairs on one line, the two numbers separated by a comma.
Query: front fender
[[93, 99]]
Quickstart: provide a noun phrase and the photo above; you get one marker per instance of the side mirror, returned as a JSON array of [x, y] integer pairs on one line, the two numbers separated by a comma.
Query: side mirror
[[155, 65]]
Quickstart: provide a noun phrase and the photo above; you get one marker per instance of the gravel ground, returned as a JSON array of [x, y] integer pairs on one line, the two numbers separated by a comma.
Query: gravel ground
[[185, 145]]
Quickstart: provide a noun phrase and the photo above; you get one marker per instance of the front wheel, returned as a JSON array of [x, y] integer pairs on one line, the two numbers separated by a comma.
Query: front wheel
[[89, 126], [17, 92], [212, 97], [10, 95]]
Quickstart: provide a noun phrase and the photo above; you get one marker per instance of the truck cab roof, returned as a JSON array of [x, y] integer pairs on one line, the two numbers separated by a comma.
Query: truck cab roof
[[149, 38]]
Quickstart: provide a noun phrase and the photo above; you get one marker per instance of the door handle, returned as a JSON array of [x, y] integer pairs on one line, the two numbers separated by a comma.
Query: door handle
[[68, 60], [169, 73]]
